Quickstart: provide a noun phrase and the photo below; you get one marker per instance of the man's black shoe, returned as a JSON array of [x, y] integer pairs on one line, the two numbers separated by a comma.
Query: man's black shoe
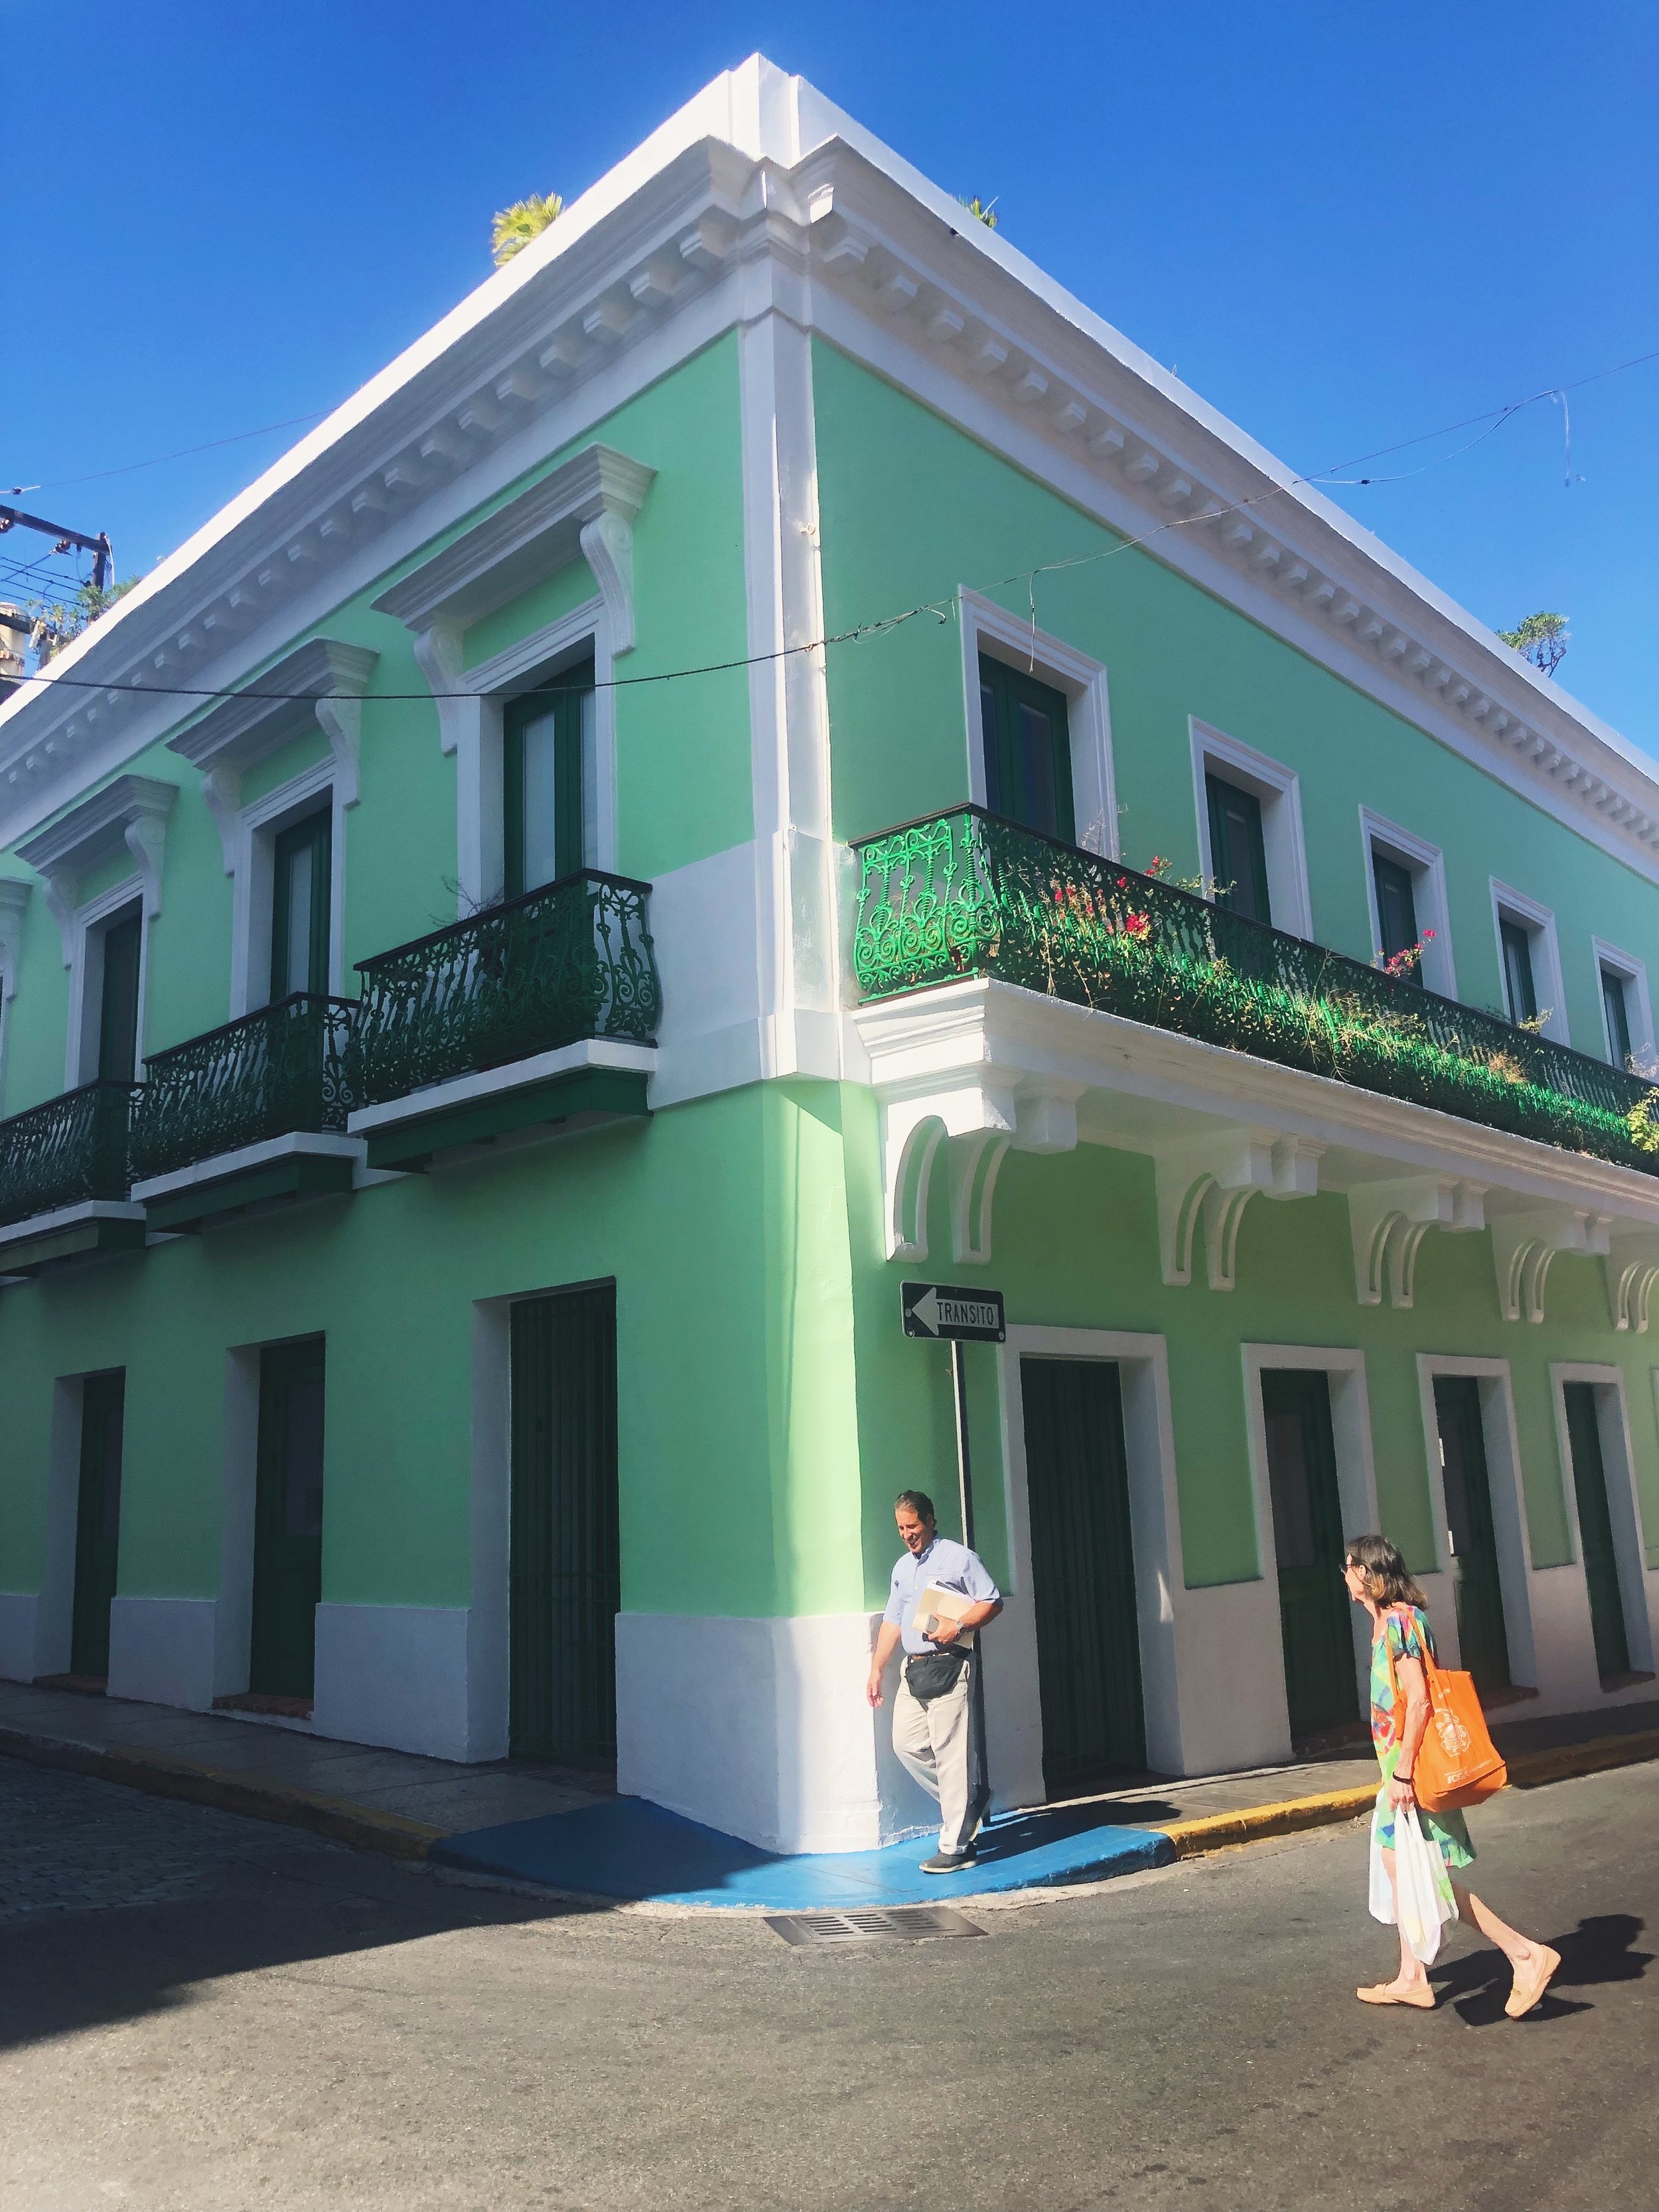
[[948, 1862]]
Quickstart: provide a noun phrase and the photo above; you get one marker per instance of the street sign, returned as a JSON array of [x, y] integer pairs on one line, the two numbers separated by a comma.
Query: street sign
[[947, 1314]]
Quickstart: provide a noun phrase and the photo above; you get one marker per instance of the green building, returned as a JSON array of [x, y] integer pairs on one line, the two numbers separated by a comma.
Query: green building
[[637, 836]]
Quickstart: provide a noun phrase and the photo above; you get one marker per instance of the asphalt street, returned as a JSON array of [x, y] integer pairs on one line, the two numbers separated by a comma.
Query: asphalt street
[[201, 2011]]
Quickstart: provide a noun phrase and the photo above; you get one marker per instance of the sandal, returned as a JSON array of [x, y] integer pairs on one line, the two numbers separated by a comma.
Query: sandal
[[1531, 1981], [1382, 1993]]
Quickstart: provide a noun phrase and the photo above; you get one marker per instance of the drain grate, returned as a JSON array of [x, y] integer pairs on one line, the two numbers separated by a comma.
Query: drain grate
[[877, 1925]]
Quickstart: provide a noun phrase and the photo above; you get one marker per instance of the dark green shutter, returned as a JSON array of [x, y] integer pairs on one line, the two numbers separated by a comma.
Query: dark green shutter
[[1238, 852], [118, 1013], [1614, 989], [1028, 750], [1590, 1482], [564, 702], [1471, 1538], [1309, 1546], [1396, 909], [1083, 1578], [564, 1577], [97, 1521], [1518, 985], [288, 1530], [312, 840]]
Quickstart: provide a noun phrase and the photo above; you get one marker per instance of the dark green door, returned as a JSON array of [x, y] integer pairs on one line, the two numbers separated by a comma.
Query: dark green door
[[288, 1527], [117, 1006], [1589, 1483], [547, 780], [302, 869], [1238, 852], [1308, 1540], [564, 1577], [1471, 1537], [1028, 750], [1083, 1578], [97, 1522]]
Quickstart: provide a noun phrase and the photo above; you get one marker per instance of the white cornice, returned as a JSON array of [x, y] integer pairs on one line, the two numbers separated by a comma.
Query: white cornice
[[761, 177], [132, 811]]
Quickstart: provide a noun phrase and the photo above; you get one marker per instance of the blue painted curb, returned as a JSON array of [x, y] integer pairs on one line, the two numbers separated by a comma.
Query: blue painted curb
[[632, 1851]]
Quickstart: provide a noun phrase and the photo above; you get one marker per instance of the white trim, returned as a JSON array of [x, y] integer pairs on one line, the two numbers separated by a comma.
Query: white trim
[[1426, 864], [312, 1143], [1639, 1005], [14, 895], [132, 811], [1279, 790], [251, 862], [1508, 904], [1638, 1583], [1356, 1472], [68, 1216], [1509, 1511], [989, 628], [497, 1082], [88, 925]]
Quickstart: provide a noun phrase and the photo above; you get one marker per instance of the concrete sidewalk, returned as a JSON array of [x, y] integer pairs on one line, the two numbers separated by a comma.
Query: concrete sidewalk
[[567, 1831]]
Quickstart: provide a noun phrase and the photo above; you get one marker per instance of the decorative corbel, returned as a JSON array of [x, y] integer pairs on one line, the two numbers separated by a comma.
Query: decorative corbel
[[973, 1162], [146, 836], [14, 902], [60, 888], [1633, 1268], [607, 543], [222, 788], [1211, 1180], [912, 1130], [1389, 1220], [1524, 1246], [340, 714], [437, 654]]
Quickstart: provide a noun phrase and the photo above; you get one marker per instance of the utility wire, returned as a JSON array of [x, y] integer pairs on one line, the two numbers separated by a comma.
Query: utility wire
[[98, 476]]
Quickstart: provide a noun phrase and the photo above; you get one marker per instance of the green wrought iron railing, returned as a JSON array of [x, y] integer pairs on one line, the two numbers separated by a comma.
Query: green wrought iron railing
[[968, 894], [571, 961], [274, 1071], [70, 1150]]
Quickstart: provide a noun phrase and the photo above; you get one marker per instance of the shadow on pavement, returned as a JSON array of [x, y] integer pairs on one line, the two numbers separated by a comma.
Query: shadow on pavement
[[1600, 1949]]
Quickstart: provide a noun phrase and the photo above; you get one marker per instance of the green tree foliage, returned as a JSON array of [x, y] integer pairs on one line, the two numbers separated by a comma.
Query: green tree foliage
[[514, 227], [983, 211], [1542, 638], [53, 623]]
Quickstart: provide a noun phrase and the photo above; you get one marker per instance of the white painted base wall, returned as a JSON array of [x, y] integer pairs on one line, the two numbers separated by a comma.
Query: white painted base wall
[[20, 1636], [401, 1676], [163, 1651], [761, 1729]]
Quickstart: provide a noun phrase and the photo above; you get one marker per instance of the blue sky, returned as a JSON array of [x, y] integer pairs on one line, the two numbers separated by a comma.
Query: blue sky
[[1342, 228]]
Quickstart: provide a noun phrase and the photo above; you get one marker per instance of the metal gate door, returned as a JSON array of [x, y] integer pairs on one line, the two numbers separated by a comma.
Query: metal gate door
[[1480, 1636], [1083, 1580], [564, 1580], [97, 1522], [1313, 1607], [288, 1520], [1590, 1482]]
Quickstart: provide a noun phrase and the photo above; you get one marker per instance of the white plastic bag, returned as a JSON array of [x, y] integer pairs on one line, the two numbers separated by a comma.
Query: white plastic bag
[[1425, 1901]]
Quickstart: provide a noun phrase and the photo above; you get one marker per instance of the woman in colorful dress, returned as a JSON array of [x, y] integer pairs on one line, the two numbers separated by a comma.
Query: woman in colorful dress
[[1377, 1578]]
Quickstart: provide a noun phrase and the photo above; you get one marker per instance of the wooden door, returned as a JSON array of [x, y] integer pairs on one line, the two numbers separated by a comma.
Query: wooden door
[[118, 1001], [97, 1522], [288, 1533], [1083, 1578], [1590, 1482], [1319, 1683], [1471, 1537], [548, 780], [564, 1574], [1238, 852], [301, 883], [1028, 750]]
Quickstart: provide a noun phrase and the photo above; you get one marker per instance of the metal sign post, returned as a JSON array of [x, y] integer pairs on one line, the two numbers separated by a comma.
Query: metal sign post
[[941, 1313]]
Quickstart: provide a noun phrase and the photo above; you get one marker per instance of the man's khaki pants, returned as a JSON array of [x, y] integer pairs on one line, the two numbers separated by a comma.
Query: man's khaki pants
[[932, 1741]]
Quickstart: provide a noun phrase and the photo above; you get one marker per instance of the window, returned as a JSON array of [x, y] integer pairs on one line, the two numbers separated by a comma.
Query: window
[[549, 781], [1396, 911], [1411, 930], [1028, 750], [1615, 1005], [301, 876], [1238, 855], [1519, 989], [121, 948]]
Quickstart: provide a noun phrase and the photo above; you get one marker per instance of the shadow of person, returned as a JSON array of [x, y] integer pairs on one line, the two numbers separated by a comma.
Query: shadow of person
[[1602, 1949]]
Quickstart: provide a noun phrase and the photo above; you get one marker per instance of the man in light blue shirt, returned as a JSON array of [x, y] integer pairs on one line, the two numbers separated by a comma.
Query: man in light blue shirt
[[931, 1730]]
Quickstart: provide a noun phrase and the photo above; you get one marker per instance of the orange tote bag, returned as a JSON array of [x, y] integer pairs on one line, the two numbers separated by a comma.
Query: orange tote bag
[[1457, 1762]]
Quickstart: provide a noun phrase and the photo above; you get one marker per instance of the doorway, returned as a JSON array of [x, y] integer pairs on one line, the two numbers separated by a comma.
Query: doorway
[[1083, 1578], [97, 1522], [1589, 1483], [1471, 1533], [288, 1521], [1319, 1684], [564, 1583]]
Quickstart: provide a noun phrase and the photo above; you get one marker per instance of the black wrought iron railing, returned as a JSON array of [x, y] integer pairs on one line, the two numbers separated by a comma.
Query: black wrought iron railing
[[71, 1149], [571, 961], [274, 1071], [968, 894]]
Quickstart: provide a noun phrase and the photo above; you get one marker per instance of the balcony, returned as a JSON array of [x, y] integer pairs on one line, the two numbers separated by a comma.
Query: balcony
[[542, 1011], [251, 1114], [977, 913], [63, 1179]]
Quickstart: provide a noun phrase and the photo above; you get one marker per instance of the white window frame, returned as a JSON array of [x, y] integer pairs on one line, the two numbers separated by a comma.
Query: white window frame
[[1508, 1512], [253, 866], [88, 925], [1278, 789], [1638, 1005], [507, 676], [14, 895], [990, 629], [1427, 866], [1638, 1583], [1508, 904]]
